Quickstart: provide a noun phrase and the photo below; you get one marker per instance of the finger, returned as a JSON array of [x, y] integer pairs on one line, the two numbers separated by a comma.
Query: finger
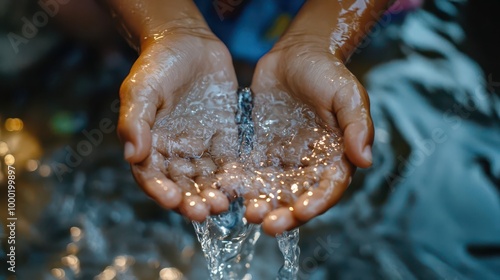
[[256, 210], [149, 87], [187, 185], [285, 198], [207, 182], [280, 220], [263, 77], [138, 106], [154, 183], [351, 107], [216, 200], [333, 183], [193, 206]]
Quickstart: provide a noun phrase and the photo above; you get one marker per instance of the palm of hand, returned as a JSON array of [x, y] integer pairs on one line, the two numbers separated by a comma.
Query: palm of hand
[[298, 169], [305, 166], [179, 112], [193, 144]]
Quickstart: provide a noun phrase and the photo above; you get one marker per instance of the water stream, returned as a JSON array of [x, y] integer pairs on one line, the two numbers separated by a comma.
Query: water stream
[[228, 240], [288, 243]]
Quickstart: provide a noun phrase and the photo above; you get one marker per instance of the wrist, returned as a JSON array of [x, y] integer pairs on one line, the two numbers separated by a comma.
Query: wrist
[[305, 38], [143, 20], [160, 30], [337, 26], [299, 43]]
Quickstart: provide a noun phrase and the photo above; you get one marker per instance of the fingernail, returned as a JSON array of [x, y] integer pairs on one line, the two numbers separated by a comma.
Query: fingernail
[[129, 150], [367, 154]]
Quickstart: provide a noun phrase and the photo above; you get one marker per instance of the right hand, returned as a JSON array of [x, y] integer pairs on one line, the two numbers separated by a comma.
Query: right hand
[[166, 163], [304, 70]]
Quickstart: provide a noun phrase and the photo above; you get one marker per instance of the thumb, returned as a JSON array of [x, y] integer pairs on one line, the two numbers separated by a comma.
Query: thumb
[[350, 105], [138, 106]]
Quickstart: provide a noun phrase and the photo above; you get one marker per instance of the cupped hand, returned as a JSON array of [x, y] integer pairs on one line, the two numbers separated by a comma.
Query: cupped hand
[[182, 76], [313, 147]]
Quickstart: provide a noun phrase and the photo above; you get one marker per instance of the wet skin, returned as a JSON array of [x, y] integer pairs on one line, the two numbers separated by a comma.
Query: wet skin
[[193, 174], [167, 69], [297, 168], [318, 79], [198, 173]]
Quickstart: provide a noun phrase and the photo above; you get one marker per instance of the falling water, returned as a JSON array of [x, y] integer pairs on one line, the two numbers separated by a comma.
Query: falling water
[[228, 240], [287, 242]]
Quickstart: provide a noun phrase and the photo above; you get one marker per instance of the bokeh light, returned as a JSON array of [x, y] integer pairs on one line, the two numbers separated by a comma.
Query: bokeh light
[[76, 233], [44, 170], [31, 165], [72, 262], [72, 248], [121, 263], [9, 159], [14, 124], [170, 273], [4, 148], [58, 273], [108, 274]]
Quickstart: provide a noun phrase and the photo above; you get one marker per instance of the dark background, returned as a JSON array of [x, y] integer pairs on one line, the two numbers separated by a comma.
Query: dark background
[[416, 214]]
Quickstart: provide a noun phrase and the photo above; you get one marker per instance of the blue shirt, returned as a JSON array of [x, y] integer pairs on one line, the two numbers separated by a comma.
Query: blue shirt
[[249, 28]]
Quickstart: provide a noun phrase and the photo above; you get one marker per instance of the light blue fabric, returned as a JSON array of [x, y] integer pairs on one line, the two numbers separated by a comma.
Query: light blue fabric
[[243, 25]]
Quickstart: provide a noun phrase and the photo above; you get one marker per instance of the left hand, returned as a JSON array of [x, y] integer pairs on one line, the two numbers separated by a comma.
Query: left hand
[[177, 120]]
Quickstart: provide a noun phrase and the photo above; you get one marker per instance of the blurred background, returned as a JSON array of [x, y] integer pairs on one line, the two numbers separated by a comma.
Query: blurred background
[[429, 208]]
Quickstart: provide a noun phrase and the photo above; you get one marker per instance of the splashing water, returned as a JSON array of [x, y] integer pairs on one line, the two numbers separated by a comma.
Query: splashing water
[[288, 243], [293, 149], [228, 240]]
